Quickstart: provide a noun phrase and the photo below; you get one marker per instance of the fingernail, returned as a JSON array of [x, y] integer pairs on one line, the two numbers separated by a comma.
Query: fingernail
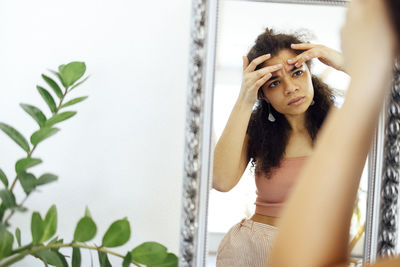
[[290, 61], [298, 65], [278, 66], [292, 45], [268, 55]]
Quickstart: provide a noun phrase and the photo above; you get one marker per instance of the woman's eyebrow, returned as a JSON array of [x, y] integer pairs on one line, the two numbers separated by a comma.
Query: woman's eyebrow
[[277, 76], [294, 68]]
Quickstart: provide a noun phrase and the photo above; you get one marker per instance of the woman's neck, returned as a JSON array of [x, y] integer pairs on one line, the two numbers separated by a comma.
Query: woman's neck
[[297, 122]]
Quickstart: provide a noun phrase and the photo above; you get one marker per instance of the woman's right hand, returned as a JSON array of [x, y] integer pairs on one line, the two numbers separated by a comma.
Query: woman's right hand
[[253, 80]]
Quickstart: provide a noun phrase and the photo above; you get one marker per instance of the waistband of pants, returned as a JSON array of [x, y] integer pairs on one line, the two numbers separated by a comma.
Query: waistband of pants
[[251, 224]]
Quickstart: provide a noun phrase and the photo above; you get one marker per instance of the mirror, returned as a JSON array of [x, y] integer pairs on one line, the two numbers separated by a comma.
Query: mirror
[[222, 32], [239, 24]]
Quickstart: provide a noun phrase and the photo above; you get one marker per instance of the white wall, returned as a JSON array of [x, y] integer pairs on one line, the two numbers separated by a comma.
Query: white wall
[[122, 155]]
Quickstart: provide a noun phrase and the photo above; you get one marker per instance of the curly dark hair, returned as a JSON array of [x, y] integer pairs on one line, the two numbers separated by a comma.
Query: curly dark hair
[[268, 140], [394, 11]]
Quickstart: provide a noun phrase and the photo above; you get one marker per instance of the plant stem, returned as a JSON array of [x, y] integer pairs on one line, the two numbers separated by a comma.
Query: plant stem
[[13, 211], [62, 99], [18, 250], [13, 260], [35, 249], [15, 182], [16, 178], [31, 152]]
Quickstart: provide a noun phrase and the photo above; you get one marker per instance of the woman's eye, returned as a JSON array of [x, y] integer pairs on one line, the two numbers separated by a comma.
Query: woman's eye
[[273, 84], [297, 73]]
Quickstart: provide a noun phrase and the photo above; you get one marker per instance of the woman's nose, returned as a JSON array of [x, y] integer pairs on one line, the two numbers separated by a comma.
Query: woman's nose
[[290, 87]]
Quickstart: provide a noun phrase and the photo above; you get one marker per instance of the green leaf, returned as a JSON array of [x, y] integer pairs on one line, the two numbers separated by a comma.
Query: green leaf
[[103, 260], [85, 230], [127, 260], [53, 241], [49, 224], [61, 67], [59, 118], [53, 86], [47, 98], [50, 257], [149, 253], [28, 181], [76, 257], [2, 210], [79, 83], [87, 212], [72, 72], [15, 135], [6, 242], [170, 261], [26, 163], [42, 134], [3, 178], [36, 228], [62, 258], [59, 77], [7, 197], [46, 178], [74, 101], [35, 113], [19, 208], [117, 234], [18, 236]]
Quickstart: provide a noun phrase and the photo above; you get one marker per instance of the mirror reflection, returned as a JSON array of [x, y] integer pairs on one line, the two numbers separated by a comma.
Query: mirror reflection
[[267, 117]]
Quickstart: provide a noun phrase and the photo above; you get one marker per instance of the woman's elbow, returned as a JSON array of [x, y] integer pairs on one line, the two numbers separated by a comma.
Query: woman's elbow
[[220, 186]]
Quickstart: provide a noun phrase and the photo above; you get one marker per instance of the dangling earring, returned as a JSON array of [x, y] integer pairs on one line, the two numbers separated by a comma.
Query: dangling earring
[[271, 117], [312, 103]]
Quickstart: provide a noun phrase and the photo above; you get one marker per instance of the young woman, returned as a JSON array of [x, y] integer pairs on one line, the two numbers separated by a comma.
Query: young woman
[[315, 234], [273, 125]]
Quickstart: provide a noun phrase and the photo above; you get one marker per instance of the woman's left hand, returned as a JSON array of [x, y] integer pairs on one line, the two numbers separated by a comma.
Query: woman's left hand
[[326, 55]]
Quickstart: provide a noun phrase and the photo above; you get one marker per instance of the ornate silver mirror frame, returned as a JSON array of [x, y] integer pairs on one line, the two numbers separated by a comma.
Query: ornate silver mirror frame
[[381, 232]]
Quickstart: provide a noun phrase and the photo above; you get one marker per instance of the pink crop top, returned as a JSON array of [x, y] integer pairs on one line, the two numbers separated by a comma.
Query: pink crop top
[[272, 192]]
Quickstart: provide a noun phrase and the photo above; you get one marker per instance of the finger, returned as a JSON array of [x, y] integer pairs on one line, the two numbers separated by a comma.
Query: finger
[[260, 82], [301, 60], [302, 46], [253, 77], [269, 69], [299, 63], [292, 61], [245, 62], [257, 61], [303, 57]]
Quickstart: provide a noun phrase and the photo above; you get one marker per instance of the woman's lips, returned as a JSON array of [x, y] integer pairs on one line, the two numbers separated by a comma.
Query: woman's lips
[[296, 101]]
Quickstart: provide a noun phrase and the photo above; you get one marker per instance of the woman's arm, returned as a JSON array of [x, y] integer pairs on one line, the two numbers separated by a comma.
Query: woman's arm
[[314, 228], [230, 153]]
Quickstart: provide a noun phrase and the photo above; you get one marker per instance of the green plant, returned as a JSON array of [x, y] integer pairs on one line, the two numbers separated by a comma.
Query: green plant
[[45, 245]]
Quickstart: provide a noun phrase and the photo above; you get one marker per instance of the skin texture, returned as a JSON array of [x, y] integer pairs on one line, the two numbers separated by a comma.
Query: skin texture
[[286, 84], [315, 233]]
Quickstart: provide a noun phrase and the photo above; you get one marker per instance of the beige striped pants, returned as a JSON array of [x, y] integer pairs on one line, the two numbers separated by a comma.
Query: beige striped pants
[[247, 244]]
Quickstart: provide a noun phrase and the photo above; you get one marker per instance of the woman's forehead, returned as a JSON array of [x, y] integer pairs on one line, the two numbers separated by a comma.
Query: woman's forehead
[[280, 58]]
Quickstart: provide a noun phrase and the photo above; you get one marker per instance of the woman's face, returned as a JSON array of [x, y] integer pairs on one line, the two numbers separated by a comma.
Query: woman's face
[[289, 90]]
